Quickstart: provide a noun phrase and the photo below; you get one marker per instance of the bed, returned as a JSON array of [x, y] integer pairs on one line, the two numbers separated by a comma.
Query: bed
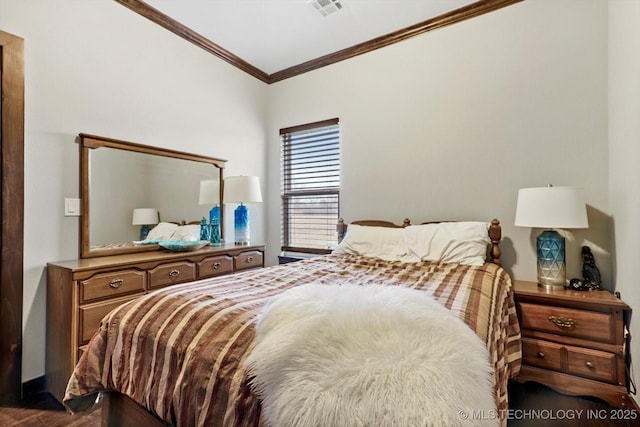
[[177, 356]]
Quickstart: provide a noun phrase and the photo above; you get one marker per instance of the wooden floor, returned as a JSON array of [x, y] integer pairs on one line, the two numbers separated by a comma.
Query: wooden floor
[[43, 410], [530, 405], [533, 404]]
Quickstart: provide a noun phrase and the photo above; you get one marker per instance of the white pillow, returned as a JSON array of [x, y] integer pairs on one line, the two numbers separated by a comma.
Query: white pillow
[[186, 233], [379, 242], [162, 231], [459, 242]]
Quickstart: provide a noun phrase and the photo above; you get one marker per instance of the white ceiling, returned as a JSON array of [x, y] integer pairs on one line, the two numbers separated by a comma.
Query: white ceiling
[[273, 35]]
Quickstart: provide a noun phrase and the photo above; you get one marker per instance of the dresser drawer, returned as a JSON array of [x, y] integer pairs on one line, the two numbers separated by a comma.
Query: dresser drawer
[[542, 354], [109, 285], [248, 259], [592, 325], [90, 317], [214, 266], [171, 273], [594, 364]]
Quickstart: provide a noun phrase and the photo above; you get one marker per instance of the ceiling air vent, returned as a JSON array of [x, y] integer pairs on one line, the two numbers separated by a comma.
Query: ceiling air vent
[[326, 7]]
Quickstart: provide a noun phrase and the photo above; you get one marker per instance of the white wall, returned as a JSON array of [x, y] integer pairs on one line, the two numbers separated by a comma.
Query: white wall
[[450, 124], [624, 154], [97, 67]]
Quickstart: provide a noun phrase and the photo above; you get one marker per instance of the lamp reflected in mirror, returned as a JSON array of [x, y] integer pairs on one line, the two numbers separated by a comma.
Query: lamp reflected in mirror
[[146, 218], [210, 196]]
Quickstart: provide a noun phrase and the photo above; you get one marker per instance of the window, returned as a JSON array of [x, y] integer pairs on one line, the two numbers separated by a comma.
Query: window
[[310, 173]]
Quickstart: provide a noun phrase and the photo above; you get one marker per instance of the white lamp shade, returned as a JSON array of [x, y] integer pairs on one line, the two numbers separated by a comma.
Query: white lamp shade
[[209, 192], [551, 207], [242, 189], [145, 216]]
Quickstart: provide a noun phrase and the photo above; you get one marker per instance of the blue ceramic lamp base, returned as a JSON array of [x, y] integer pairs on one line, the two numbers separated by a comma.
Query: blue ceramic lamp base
[[551, 262], [144, 231], [241, 225]]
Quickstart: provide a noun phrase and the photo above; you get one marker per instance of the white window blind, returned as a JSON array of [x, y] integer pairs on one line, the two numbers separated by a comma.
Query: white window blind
[[310, 172]]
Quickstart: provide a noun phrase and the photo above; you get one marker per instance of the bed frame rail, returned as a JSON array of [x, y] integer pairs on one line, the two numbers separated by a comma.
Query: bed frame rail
[[119, 410]]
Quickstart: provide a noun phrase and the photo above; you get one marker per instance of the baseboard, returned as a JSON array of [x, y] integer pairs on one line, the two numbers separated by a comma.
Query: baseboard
[[33, 387]]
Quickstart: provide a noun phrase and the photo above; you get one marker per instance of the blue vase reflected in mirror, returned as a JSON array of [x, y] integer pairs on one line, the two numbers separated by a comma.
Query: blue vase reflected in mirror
[[214, 233], [204, 229]]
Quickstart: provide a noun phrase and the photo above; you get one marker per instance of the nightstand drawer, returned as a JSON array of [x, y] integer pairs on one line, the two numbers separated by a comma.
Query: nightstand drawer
[[592, 325], [109, 285], [542, 354], [588, 363], [170, 274]]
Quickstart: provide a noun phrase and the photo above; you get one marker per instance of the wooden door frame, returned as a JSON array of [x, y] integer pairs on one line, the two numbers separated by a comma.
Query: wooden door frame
[[11, 214]]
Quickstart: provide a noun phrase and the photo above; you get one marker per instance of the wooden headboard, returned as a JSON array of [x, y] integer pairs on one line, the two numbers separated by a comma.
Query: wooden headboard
[[495, 233], [184, 222]]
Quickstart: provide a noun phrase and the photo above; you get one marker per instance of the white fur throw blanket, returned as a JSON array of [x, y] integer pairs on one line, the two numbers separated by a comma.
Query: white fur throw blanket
[[344, 355]]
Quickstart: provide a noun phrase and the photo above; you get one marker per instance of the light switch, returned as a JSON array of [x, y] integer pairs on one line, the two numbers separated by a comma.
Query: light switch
[[71, 207]]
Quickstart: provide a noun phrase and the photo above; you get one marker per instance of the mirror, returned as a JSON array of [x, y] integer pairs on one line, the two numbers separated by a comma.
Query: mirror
[[117, 177]]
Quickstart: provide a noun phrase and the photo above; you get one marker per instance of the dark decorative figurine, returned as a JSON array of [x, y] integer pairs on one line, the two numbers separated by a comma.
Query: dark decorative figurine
[[590, 273]]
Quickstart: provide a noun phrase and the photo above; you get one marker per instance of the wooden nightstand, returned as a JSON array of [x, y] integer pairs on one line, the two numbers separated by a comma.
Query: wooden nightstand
[[574, 342]]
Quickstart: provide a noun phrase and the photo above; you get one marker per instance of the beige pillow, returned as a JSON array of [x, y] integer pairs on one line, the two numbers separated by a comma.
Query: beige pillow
[[461, 242], [379, 242]]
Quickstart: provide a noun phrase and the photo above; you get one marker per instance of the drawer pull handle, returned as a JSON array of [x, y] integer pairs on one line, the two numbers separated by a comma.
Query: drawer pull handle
[[216, 265], [174, 273], [115, 283], [540, 355], [249, 259], [562, 322], [589, 365]]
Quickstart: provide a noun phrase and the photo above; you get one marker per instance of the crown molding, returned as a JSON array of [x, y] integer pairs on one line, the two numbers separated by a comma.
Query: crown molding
[[142, 8], [471, 10]]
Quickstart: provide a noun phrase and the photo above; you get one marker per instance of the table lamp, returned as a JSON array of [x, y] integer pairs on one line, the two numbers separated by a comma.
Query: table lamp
[[550, 208], [146, 217], [242, 189], [210, 196]]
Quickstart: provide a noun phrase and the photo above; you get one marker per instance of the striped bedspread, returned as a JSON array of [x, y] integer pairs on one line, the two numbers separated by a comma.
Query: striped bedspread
[[179, 351]]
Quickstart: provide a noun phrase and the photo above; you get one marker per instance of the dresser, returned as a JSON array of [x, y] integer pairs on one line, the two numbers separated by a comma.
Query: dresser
[[574, 342], [81, 292]]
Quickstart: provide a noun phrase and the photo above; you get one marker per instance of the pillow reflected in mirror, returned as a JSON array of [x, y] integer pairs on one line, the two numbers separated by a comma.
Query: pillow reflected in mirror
[[186, 233], [162, 231], [168, 231]]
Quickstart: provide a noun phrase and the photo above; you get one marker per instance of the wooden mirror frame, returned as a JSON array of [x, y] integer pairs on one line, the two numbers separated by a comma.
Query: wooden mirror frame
[[89, 142]]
